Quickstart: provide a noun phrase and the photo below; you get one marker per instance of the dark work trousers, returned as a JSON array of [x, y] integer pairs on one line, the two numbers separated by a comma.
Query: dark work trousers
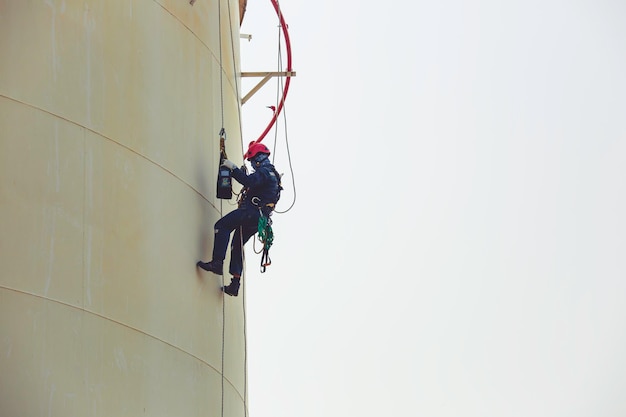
[[244, 221]]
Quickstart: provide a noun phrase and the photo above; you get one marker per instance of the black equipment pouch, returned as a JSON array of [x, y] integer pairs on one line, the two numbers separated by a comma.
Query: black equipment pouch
[[224, 183], [224, 180]]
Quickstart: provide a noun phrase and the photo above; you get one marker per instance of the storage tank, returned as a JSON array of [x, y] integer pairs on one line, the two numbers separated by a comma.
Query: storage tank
[[110, 113]]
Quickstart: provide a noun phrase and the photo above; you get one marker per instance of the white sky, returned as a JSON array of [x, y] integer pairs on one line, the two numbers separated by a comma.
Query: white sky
[[457, 244]]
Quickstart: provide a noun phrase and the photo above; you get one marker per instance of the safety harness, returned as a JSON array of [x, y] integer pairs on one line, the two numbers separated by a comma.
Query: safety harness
[[264, 226]]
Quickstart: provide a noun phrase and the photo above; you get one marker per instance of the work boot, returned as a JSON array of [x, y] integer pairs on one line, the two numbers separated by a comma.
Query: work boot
[[212, 266], [232, 288]]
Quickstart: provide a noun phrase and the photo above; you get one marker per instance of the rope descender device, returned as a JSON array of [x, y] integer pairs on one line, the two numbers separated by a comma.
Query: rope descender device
[[224, 181]]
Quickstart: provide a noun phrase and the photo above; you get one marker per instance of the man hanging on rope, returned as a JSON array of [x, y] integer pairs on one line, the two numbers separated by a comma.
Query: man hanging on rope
[[259, 196]]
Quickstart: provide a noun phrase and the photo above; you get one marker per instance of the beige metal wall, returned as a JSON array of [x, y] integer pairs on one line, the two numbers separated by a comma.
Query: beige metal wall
[[109, 114]]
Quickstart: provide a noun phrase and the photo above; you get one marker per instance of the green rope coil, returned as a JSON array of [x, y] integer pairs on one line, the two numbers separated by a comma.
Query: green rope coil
[[266, 234]]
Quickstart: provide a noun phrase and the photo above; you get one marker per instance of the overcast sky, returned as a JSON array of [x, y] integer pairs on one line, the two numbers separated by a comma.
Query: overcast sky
[[457, 246]]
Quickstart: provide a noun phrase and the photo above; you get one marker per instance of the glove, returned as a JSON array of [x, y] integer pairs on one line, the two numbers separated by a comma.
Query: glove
[[228, 164]]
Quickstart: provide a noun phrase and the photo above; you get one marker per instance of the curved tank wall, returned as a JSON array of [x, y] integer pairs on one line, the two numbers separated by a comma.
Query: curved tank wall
[[109, 121]]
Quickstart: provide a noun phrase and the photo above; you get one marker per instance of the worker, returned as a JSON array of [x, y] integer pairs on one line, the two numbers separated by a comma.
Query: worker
[[260, 193]]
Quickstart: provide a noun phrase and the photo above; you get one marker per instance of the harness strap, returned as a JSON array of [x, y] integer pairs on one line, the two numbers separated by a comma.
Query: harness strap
[[257, 202]]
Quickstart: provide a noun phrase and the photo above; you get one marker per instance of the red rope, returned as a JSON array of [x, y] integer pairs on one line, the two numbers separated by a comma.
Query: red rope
[[283, 25]]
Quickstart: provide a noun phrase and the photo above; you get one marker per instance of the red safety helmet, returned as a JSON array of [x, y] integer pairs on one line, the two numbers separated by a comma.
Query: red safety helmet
[[255, 148]]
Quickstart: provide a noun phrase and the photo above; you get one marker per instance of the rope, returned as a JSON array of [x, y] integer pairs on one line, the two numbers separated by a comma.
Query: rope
[[219, 29], [279, 107], [223, 152], [293, 179], [265, 230], [266, 237], [243, 258], [280, 91], [245, 330]]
